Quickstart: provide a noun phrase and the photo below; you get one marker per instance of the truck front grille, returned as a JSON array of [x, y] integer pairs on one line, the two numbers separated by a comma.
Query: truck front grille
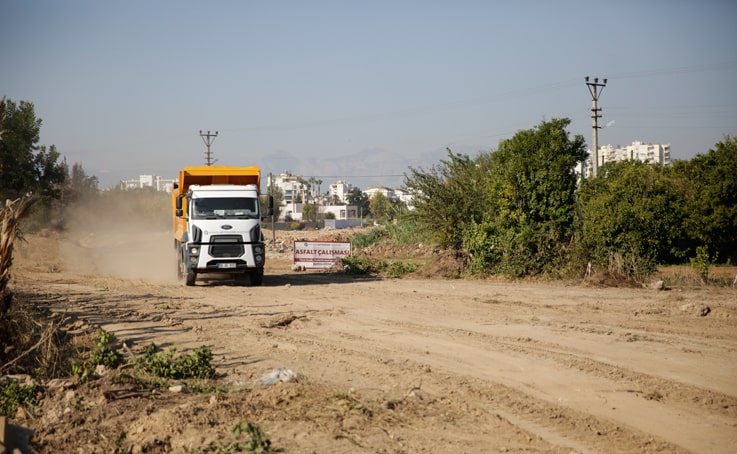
[[226, 246]]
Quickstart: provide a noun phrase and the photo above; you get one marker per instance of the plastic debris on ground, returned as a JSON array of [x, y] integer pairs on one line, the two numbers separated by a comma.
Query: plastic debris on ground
[[281, 374]]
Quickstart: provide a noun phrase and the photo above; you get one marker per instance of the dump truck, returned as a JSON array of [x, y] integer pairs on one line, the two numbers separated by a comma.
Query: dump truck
[[217, 222]]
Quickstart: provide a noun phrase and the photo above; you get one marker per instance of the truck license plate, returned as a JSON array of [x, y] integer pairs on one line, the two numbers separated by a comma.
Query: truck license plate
[[226, 265]]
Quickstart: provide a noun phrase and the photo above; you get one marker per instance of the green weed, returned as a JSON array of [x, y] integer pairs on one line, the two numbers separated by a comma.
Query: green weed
[[13, 395], [399, 269], [169, 364], [257, 442], [102, 354]]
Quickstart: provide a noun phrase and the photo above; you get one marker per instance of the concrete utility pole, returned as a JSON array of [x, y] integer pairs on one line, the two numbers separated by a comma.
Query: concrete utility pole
[[595, 88], [208, 139]]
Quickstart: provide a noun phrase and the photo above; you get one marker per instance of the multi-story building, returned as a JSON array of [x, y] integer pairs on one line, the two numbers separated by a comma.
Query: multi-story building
[[386, 192], [148, 181], [637, 150], [339, 191], [645, 152], [291, 186]]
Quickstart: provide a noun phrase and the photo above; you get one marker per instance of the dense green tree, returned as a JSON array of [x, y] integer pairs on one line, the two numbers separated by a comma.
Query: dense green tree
[[513, 210], [309, 212], [25, 167], [712, 199], [360, 200], [77, 184], [449, 196], [633, 213], [381, 207], [529, 219]]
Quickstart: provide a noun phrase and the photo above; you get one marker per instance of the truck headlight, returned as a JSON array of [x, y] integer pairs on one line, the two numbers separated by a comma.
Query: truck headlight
[[194, 250], [258, 250]]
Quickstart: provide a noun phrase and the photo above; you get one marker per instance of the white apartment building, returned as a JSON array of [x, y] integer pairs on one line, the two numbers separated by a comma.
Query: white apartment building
[[148, 181], [406, 197], [386, 192], [292, 186], [640, 151], [339, 190]]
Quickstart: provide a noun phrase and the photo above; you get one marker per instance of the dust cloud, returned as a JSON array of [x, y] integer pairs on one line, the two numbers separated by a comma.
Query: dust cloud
[[126, 235]]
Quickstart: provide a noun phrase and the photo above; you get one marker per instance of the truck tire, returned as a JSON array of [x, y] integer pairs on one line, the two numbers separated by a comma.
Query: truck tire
[[180, 266], [190, 278], [257, 276]]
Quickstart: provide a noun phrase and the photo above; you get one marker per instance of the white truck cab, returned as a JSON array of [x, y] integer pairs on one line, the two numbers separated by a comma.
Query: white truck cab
[[223, 232]]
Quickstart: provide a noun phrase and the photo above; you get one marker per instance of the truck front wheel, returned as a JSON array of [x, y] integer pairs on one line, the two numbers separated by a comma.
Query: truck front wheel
[[190, 278], [257, 276]]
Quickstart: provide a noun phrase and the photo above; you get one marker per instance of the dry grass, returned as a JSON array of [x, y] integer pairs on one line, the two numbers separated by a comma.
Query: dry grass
[[30, 339], [687, 276], [10, 215]]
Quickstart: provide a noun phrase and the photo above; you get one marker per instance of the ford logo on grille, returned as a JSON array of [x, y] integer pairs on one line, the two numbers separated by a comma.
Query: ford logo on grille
[[226, 227]]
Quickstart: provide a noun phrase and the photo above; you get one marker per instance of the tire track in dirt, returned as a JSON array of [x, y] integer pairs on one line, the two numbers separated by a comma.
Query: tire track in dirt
[[526, 411], [550, 368], [710, 416]]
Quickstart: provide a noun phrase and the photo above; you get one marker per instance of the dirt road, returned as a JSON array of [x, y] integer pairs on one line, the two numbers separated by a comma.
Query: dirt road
[[397, 365]]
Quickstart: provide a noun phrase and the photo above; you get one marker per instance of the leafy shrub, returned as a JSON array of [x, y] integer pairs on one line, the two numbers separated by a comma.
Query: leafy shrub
[[102, 354], [631, 264], [167, 364], [481, 244], [355, 264], [702, 262], [12, 395], [407, 231], [372, 236], [398, 269]]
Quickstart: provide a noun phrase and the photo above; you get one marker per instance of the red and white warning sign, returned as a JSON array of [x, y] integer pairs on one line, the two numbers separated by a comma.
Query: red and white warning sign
[[319, 254]]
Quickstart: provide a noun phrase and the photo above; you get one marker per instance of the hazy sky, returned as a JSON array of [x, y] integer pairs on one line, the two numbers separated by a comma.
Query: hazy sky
[[357, 89]]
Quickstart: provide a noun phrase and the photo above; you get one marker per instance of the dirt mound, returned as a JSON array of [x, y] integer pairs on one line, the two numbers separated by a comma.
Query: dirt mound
[[608, 279], [179, 421], [448, 264]]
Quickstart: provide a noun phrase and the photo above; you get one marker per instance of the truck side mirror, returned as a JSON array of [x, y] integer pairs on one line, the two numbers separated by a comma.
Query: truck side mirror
[[178, 204]]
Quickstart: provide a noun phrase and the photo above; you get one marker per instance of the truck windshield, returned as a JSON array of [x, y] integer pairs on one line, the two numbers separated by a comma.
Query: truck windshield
[[225, 208]]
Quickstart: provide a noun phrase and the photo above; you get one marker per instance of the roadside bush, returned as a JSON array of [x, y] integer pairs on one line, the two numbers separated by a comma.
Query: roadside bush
[[354, 264], [167, 364], [372, 236], [103, 354], [13, 395], [406, 230], [399, 269], [631, 265], [702, 262]]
